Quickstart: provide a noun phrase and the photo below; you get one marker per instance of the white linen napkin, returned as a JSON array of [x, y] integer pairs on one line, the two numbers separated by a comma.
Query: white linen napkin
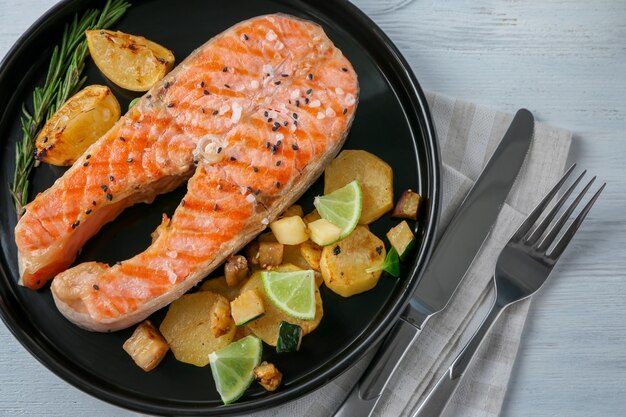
[[468, 134]]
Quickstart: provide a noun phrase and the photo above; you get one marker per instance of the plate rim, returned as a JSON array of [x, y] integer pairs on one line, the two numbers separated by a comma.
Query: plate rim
[[330, 370]]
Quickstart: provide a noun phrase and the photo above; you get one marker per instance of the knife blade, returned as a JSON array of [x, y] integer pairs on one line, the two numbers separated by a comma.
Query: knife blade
[[461, 240]]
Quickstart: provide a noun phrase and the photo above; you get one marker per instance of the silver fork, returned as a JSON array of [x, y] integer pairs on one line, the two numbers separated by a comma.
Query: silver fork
[[523, 266]]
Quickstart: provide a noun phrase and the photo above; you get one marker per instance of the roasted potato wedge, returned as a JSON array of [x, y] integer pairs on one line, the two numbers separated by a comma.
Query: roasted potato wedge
[[374, 175], [266, 326], [132, 62], [187, 328], [220, 286], [80, 121], [343, 264]]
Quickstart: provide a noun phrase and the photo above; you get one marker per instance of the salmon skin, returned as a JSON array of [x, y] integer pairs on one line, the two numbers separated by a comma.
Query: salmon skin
[[253, 117]]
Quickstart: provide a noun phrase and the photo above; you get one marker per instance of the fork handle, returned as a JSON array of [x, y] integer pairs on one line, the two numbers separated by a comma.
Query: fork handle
[[437, 399]]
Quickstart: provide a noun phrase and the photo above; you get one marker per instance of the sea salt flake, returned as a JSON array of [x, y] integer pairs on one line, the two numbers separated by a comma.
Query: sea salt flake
[[349, 99], [330, 112], [320, 115], [250, 198], [315, 103], [271, 35]]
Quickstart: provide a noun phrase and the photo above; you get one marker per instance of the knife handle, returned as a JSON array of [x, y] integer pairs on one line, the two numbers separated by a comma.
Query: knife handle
[[366, 393]]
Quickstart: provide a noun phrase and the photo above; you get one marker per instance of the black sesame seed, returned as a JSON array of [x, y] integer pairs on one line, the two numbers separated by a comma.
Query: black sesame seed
[[277, 124], [280, 142], [267, 144], [275, 128], [129, 160], [294, 147], [310, 76], [149, 96], [232, 158], [257, 192], [278, 163], [202, 110], [88, 211], [277, 184], [45, 139], [216, 207], [206, 92], [277, 82], [284, 75], [170, 104], [166, 85], [245, 37], [297, 103], [182, 203], [86, 164], [250, 189], [93, 203], [379, 250], [226, 85], [219, 149], [266, 114], [309, 91], [345, 111], [122, 139], [306, 100], [162, 60], [224, 69], [295, 123], [286, 123], [295, 115], [255, 169], [274, 149], [88, 156], [336, 250], [95, 287], [109, 196], [270, 120], [201, 83], [344, 69], [215, 112], [104, 188]]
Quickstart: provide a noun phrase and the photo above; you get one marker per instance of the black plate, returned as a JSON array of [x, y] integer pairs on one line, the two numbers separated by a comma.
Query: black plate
[[392, 122]]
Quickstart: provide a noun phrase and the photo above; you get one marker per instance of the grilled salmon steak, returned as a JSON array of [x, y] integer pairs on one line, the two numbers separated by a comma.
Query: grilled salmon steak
[[249, 120]]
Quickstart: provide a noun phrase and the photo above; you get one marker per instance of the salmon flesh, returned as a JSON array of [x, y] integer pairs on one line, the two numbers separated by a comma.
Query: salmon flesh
[[249, 120]]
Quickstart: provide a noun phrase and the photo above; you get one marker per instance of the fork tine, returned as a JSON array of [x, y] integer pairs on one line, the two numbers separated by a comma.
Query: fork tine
[[536, 234], [573, 228], [556, 227], [536, 213]]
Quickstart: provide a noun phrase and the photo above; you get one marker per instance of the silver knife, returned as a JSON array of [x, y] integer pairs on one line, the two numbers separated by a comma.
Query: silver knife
[[451, 259]]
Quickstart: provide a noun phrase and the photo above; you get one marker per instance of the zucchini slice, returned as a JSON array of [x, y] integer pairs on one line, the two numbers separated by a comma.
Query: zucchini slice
[[289, 337], [247, 307]]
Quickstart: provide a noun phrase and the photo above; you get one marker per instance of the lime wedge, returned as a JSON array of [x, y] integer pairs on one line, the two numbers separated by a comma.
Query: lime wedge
[[342, 207], [232, 367], [292, 292]]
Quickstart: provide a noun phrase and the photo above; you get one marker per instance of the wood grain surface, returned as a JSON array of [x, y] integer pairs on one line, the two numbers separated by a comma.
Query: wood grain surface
[[566, 61]]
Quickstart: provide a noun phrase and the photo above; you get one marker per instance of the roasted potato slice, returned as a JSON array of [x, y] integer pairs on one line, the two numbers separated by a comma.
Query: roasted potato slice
[[220, 286], [80, 121], [132, 62], [266, 326], [343, 264], [374, 175], [187, 328]]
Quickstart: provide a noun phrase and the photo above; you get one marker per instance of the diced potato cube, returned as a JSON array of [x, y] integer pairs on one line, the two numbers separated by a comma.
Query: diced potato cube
[[324, 232], [221, 322], [407, 206], [268, 376], [270, 254], [401, 238], [235, 270], [312, 253], [247, 307], [295, 210], [146, 346], [290, 230]]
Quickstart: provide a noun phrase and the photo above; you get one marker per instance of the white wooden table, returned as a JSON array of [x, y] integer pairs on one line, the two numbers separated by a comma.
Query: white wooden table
[[566, 61]]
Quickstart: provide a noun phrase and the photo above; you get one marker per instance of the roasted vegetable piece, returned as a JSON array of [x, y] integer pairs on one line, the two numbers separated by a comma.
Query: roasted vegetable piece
[[375, 178], [290, 230], [292, 255], [187, 328], [344, 263], [146, 346], [268, 376], [218, 285], [311, 217], [312, 253], [323, 232], [80, 121], [221, 321], [295, 210], [130, 61], [266, 326], [407, 205], [247, 307], [235, 270], [401, 237], [289, 337], [270, 254]]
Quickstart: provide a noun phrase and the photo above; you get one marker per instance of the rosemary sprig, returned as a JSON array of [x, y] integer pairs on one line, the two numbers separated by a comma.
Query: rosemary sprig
[[64, 79]]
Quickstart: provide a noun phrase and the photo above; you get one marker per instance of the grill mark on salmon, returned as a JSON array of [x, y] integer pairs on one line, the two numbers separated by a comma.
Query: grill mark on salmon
[[224, 117]]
